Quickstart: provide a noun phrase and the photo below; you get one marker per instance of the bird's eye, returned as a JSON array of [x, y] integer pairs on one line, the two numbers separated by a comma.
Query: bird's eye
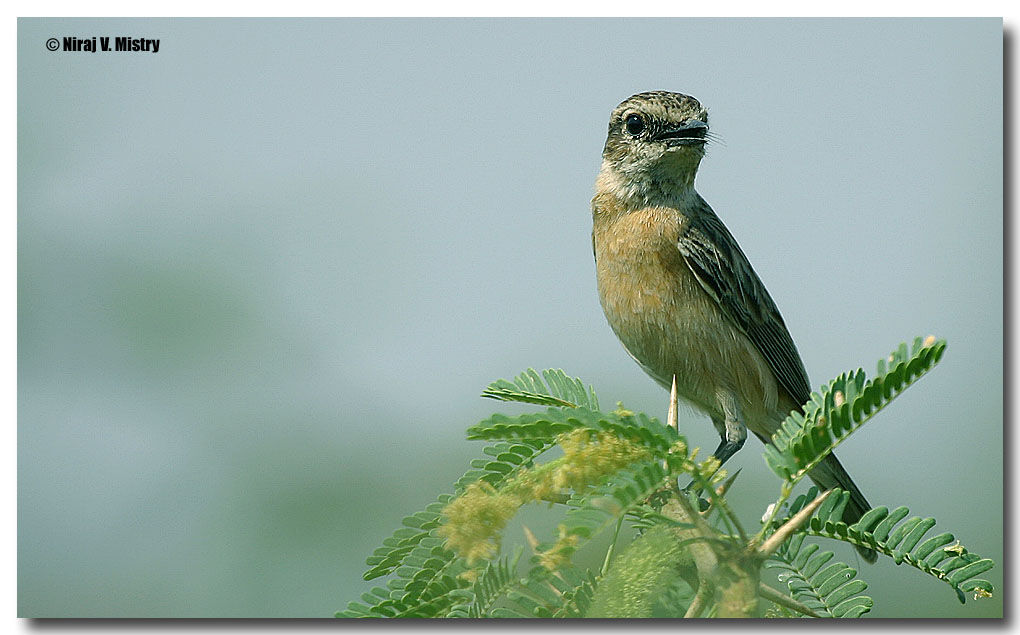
[[635, 124]]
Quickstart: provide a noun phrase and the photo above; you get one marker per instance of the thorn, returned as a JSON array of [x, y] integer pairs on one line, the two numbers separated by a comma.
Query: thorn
[[719, 491], [725, 487], [671, 417], [532, 541], [774, 541]]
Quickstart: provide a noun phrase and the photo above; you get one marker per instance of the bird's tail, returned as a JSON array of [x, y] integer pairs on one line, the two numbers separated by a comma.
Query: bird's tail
[[829, 474]]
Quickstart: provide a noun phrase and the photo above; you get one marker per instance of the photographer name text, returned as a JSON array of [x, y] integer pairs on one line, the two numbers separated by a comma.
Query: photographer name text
[[105, 44]]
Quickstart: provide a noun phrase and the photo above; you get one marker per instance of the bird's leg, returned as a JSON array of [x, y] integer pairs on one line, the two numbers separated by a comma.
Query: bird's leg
[[731, 427], [732, 431], [733, 438]]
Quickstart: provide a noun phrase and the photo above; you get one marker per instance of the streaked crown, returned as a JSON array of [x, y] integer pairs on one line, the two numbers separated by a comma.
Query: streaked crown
[[655, 123]]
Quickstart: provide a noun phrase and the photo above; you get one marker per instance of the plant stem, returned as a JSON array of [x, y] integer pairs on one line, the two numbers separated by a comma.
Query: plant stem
[[782, 599], [612, 548]]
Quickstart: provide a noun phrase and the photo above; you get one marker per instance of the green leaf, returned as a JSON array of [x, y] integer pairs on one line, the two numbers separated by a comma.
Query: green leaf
[[805, 438], [557, 389], [593, 511], [493, 584], [831, 591], [542, 594], [969, 571], [903, 540], [853, 607], [545, 426]]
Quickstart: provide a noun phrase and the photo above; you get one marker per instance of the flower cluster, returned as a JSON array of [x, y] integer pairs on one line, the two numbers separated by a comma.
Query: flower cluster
[[474, 520]]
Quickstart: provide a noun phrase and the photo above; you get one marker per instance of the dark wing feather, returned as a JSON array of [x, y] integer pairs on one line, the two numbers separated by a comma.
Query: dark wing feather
[[723, 271]]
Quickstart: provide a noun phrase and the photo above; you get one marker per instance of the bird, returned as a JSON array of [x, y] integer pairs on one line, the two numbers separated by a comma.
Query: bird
[[680, 294]]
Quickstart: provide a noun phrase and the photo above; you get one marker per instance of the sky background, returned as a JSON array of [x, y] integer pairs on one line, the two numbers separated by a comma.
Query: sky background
[[264, 274]]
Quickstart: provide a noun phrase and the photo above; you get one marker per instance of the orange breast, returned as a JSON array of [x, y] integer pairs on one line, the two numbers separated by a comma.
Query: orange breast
[[665, 320]]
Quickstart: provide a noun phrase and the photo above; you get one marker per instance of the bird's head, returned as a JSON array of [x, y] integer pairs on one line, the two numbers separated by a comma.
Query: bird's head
[[657, 139]]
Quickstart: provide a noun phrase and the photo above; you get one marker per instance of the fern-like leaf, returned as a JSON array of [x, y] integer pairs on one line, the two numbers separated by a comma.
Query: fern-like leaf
[[545, 426], [675, 600], [805, 438], [424, 568], [397, 547], [593, 511], [506, 460], [831, 590], [558, 389], [493, 584], [903, 539], [428, 574], [576, 595], [415, 552], [543, 594], [422, 587]]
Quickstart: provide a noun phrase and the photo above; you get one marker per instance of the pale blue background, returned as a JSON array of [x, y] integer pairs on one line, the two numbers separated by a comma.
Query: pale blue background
[[264, 274]]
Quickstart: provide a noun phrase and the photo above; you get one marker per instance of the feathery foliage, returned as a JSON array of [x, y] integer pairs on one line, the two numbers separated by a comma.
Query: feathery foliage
[[421, 588], [445, 560], [558, 389], [491, 586], [426, 571], [674, 600], [831, 591], [508, 459], [565, 593], [805, 438], [892, 534], [398, 546], [592, 512], [430, 558], [635, 428]]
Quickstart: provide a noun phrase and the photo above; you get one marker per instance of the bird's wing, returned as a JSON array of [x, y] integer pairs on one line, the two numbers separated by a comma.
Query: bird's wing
[[724, 272]]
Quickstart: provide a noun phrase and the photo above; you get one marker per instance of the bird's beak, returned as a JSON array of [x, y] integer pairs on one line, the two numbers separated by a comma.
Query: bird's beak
[[689, 133]]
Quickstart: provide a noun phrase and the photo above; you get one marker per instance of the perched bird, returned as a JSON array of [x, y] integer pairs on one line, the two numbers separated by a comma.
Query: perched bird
[[681, 295]]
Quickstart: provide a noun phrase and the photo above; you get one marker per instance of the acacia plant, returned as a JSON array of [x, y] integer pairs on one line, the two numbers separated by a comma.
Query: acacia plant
[[691, 557]]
